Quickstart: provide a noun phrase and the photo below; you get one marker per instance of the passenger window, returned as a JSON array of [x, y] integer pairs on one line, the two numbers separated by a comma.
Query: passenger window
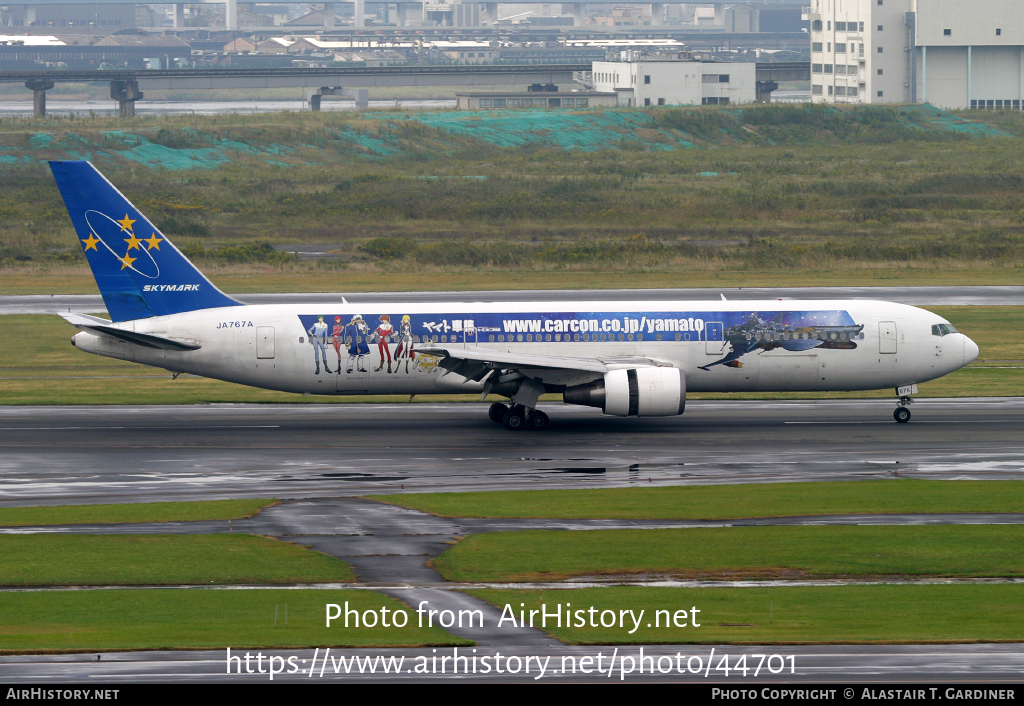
[[303, 340], [657, 337], [444, 339], [622, 337], [679, 336], [558, 337], [491, 338], [629, 337], [576, 337], [501, 338], [586, 336], [547, 337], [519, 338], [639, 337]]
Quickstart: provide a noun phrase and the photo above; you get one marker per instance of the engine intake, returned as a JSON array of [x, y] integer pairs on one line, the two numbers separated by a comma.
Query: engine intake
[[634, 392]]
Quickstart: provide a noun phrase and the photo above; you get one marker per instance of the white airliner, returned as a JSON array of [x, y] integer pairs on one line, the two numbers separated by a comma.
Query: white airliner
[[628, 358]]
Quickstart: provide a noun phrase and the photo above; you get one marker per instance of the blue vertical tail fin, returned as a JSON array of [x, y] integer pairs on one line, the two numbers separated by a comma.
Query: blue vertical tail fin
[[138, 270]]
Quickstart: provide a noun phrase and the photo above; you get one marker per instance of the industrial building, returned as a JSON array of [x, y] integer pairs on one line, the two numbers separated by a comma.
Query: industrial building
[[675, 78], [948, 53], [519, 100]]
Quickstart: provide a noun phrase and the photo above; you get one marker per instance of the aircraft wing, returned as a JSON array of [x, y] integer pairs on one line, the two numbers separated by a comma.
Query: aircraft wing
[[147, 340], [474, 363]]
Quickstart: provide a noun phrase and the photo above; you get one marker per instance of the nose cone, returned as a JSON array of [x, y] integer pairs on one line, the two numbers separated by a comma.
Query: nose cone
[[971, 351]]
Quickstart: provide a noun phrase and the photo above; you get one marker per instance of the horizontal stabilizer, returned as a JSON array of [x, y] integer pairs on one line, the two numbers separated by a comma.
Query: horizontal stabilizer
[[147, 340]]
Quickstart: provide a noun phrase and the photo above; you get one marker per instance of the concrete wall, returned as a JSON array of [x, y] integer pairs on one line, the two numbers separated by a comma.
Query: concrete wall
[[971, 22]]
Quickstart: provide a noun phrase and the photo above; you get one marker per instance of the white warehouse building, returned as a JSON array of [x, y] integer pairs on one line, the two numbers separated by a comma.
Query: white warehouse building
[[949, 53], [643, 79]]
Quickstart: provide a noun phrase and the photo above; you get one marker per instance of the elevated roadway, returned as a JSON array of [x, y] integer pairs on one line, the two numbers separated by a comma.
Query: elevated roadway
[[127, 85]]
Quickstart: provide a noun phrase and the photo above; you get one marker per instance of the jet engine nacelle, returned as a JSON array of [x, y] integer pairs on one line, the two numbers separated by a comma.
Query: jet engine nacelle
[[635, 392]]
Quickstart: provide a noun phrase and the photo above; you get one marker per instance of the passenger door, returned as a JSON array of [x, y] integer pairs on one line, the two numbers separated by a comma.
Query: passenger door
[[886, 336], [265, 346], [714, 338]]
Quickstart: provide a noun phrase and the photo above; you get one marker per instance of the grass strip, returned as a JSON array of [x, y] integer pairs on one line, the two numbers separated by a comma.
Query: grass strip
[[98, 560], [78, 621], [740, 552], [716, 502], [131, 512], [833, 614]]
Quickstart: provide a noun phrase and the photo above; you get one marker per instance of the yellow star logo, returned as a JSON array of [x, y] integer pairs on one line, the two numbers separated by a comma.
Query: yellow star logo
[[133, 242], [90, 243], [153, 242], [127, 261], [126, 223]]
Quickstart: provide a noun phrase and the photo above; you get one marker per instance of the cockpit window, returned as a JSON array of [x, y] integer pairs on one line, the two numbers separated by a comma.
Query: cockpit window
[[943, 329]]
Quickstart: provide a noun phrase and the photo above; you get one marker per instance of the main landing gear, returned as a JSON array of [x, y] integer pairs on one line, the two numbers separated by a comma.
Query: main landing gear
[[518, 417], [902, 412]]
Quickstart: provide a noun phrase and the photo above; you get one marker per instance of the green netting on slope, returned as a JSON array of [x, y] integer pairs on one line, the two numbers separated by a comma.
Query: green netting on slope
[[565, 129], [934, 118], [377, 146]]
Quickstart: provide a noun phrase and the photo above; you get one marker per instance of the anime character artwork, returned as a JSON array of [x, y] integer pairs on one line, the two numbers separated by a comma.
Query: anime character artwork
[[404, 350], [318, 337], [383, 332], [337, 338], [809, 330], [355, 334]]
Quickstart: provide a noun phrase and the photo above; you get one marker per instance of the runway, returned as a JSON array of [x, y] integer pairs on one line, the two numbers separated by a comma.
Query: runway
[[915, 296], [61, 455]]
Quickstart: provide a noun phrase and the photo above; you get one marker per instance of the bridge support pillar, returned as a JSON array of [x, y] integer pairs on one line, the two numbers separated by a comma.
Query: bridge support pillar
[[763, 91], [359, 13], [657, 14], [315, 96], [125, 93], [231, 14], [328, 14], [39, 88], [579, 14], [179, 15]]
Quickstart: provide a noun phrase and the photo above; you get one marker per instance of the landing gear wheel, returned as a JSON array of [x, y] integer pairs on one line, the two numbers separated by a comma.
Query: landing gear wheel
[[515, 418], [538, 420], [497, 412], [901, 415]]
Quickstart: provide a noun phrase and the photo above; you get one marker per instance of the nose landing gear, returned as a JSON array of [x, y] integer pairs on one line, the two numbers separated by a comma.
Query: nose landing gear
[[902, 411]]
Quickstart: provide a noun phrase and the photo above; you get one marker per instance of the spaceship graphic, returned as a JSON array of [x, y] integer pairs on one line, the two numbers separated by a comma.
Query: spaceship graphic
[[811, 331]]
